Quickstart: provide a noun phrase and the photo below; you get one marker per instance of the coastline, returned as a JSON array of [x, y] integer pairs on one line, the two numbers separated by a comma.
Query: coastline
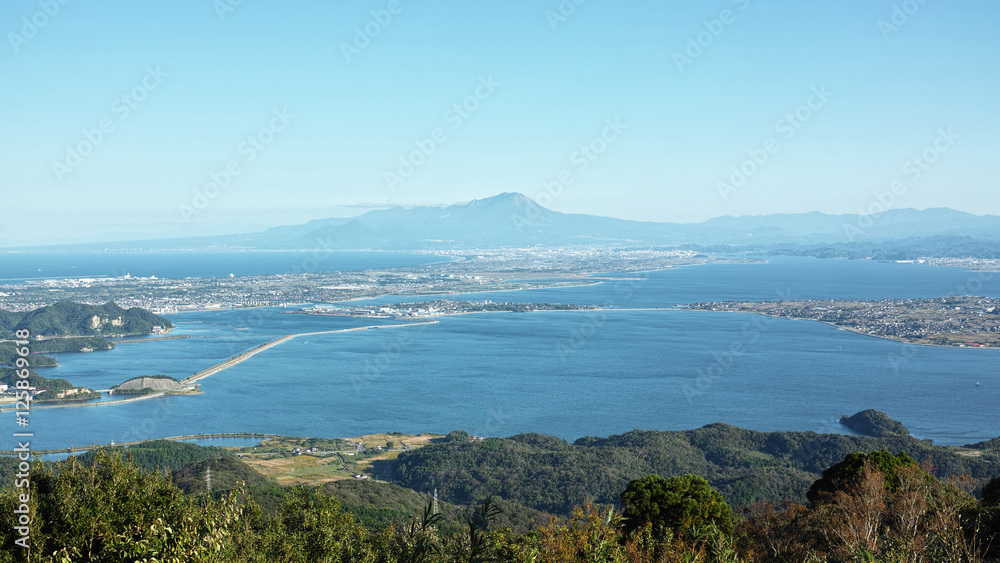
[[95, 404], [220, 367], [838, 327], [133, 443]]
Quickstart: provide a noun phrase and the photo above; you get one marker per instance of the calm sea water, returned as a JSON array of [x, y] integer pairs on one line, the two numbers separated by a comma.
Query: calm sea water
[[22, 266], [569, 374]]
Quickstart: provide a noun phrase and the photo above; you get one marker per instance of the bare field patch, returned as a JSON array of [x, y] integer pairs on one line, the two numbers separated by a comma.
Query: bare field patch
[[286, 460]]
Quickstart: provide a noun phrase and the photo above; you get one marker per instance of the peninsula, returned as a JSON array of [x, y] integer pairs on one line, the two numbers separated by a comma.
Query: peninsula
[[972, 322]]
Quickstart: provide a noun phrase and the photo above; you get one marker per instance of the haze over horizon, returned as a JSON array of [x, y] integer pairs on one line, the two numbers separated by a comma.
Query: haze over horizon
[[363, 210], [120, 116]]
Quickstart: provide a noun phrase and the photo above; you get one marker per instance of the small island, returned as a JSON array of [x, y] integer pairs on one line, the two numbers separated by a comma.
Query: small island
[[149, 384], [964, 322], [874, 423]]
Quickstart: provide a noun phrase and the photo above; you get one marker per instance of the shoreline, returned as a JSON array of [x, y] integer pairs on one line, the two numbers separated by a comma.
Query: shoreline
[[185, 437], [95, 404], [417, 295], [220, 367], [838, 327]]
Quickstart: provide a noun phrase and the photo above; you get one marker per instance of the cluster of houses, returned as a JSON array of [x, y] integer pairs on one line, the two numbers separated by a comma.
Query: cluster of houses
[[10, 392]]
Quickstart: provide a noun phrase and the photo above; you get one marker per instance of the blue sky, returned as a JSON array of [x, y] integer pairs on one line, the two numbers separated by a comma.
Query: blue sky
[[693, 91]]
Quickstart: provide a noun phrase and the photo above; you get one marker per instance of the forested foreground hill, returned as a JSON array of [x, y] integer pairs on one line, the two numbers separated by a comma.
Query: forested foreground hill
[[552, 475], [106, 508]]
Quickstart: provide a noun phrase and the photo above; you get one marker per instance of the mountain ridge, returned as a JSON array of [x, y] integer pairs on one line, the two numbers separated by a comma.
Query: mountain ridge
[[512, 220]]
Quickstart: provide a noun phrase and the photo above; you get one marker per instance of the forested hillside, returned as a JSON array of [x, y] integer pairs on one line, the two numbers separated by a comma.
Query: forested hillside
[[553, 475], [55, 389], [106, 509], [75, 319]]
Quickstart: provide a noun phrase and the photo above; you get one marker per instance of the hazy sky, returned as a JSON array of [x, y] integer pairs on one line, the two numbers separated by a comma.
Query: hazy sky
[[116, 115]]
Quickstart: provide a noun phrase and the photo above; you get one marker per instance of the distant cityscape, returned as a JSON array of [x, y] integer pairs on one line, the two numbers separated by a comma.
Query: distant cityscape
[[437, 308], [470, 271]]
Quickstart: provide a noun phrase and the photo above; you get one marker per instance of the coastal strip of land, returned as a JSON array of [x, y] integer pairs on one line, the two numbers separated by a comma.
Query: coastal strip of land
[[957, 321]]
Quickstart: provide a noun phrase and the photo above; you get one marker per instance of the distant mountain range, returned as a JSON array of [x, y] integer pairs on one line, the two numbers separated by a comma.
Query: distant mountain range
[[511, 220]]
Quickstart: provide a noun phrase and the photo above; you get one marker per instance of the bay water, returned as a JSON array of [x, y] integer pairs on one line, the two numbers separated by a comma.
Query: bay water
[[569, 374]]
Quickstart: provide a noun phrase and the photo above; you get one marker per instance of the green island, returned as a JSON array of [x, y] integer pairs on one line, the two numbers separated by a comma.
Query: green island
[[8, 349], [959, 321], [713, 494], [60, 328], [67, 318], [73, 327]]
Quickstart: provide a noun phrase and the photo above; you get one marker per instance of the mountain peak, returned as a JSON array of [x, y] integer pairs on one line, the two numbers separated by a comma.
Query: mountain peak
[[506, 199]]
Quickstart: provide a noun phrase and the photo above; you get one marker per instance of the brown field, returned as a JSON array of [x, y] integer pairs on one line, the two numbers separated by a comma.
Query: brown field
[[312, 470]]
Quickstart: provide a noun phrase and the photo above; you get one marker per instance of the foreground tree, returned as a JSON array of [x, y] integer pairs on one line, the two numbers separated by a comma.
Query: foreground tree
[[988, 522], [111, 511], [874, 507], [674, 506], [870, 507], [991, 493], [850, 472]]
